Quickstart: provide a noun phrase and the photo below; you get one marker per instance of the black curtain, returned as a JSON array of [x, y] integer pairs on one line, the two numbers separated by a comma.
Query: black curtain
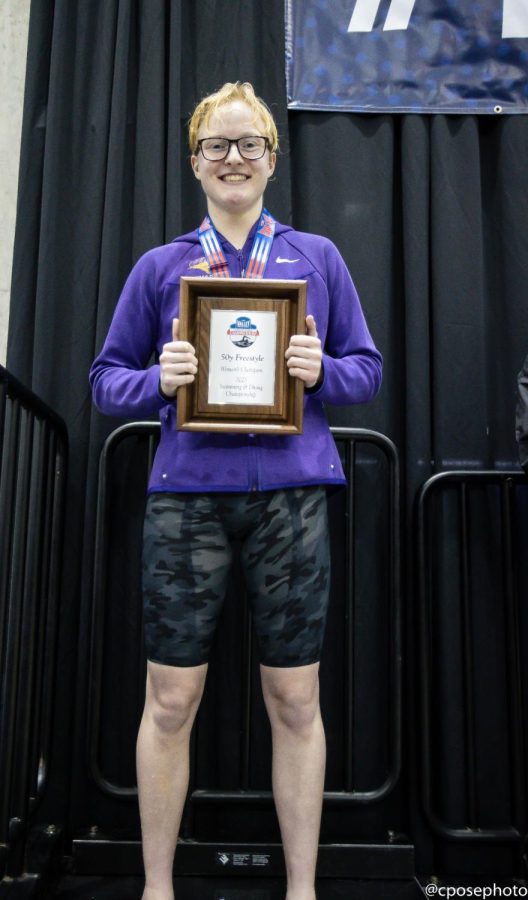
[[430, 213]]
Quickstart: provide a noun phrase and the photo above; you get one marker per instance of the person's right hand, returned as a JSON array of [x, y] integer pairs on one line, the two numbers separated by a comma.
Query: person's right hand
[[178, 363]]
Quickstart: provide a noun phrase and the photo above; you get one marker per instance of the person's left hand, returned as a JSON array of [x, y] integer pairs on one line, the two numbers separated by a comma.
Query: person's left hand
[[304, 355]]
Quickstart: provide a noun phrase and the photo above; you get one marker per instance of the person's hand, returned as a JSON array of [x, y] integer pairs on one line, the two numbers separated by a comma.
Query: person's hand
[[178, 363], [304, 355]]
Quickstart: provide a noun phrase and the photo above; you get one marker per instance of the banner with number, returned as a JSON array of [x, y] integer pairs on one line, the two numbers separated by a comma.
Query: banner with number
[[451, 56]]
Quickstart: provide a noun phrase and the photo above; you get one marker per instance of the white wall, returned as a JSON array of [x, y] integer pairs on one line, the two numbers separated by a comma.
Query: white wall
[[14, 19]]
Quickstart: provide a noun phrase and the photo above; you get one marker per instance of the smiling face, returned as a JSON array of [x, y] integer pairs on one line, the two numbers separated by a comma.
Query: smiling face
[[234, 185]]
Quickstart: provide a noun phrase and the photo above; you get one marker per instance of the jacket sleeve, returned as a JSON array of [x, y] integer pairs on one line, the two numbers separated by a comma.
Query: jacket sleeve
[[352, 365], [123, 383], [521, 418]]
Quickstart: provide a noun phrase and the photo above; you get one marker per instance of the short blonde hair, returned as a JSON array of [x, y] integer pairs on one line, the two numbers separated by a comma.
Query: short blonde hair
[[238, 90]]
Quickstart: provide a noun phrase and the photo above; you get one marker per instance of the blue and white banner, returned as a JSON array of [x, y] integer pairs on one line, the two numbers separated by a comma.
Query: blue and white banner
[[451, 56]]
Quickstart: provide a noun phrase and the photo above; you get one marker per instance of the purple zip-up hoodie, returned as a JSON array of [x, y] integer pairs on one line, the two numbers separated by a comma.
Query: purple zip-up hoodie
[[187, 461]]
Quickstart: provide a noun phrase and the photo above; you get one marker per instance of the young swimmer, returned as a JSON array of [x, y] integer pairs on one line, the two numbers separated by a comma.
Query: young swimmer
[[267, 491]]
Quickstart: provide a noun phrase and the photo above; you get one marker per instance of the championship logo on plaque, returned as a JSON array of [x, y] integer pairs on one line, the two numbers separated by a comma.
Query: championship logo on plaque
[[242, 332]]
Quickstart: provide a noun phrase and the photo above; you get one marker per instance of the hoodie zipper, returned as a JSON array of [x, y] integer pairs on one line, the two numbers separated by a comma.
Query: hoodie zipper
[[252, 463]]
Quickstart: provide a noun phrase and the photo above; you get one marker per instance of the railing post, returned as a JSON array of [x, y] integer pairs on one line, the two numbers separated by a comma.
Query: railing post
[[33, 448], [463, 483]]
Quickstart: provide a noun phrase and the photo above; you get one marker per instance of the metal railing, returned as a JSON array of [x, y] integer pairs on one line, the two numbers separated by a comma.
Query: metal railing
[[33, 447], [351, 438], [468, 552]]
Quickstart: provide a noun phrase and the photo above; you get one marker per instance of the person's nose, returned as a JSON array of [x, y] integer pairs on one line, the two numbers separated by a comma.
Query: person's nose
[[233, 154]]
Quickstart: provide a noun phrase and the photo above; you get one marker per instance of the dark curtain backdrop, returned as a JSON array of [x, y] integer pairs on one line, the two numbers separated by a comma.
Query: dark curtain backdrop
[[430, 213]]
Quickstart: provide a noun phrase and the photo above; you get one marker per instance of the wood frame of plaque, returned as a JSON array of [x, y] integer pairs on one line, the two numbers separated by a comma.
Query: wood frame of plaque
[[275, 404]]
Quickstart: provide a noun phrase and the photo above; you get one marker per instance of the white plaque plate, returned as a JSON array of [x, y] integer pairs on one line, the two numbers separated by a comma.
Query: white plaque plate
[[242, 351]]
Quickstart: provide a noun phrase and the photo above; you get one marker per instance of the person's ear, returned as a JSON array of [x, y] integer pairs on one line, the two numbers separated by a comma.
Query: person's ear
[[272, 163], [195, 163]]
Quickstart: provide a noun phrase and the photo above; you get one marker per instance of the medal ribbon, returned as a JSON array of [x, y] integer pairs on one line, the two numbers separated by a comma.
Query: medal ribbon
[[260, 251]]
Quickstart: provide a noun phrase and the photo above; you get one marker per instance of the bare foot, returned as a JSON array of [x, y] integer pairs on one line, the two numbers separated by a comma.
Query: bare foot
[[307, 894], [151, 893]]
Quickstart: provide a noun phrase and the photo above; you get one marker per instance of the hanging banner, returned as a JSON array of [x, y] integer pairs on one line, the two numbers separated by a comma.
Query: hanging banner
[[449, 56]]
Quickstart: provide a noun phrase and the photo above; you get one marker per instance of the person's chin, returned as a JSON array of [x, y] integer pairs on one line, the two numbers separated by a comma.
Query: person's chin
[[237, 202]]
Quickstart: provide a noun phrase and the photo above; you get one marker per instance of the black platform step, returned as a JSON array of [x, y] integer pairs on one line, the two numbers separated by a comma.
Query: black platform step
[[101, 855], [79, 888]]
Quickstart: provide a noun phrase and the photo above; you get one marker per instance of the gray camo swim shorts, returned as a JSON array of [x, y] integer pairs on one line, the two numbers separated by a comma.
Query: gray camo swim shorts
[[187, 555]]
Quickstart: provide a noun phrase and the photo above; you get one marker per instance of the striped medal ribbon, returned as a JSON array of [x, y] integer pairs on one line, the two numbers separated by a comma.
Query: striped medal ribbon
[[260, 250]]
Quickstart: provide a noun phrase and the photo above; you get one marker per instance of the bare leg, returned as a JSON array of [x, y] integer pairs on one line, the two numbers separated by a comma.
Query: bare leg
[[299, 755], [172, 698]]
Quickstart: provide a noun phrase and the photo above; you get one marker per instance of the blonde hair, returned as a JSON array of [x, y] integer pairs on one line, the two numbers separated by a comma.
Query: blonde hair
[[238, 90]]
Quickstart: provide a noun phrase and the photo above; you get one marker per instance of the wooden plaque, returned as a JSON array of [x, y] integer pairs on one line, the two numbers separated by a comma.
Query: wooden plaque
[[240, 329]]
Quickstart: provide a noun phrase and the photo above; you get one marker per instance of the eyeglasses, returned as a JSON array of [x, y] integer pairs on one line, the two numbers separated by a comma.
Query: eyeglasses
[[216, 148]]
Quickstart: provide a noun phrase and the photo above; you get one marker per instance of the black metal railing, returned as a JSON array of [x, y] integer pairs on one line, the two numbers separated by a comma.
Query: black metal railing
[[33, 448], [472, 588], [350, 440]]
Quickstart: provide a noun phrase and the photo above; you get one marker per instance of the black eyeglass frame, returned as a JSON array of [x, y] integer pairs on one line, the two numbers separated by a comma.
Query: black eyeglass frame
[[247, 137]]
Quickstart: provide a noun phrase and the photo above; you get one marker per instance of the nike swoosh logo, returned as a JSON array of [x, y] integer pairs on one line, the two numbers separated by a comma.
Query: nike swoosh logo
[[283, 259]]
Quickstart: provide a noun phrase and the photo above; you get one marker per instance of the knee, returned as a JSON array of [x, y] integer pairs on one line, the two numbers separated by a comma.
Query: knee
[[293, 704], [171, 713], [172, 708]]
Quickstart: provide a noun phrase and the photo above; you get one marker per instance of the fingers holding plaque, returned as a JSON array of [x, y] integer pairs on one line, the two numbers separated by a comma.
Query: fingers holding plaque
[[241, 329]]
